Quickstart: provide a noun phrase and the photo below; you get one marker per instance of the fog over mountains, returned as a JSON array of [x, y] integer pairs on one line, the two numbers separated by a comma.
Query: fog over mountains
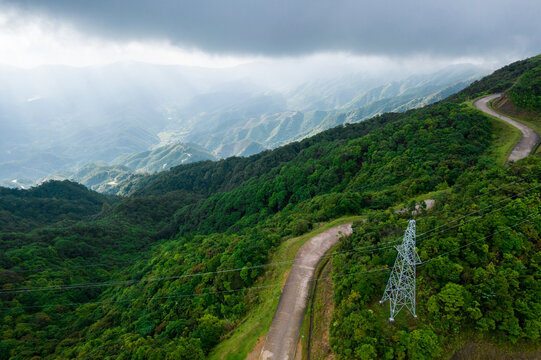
[[101, 125]]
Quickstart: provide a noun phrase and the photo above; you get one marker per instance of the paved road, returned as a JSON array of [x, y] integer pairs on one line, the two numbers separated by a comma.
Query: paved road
[[529, 137], [281, 342]]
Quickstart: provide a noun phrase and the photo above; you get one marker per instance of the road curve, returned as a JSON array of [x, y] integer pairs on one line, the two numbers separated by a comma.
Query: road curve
[[282, 338], [529, 137]]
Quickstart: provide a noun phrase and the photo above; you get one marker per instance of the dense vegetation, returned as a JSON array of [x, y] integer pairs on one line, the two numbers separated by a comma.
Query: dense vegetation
[[427, 148], [209, 177], [50, 203], [500, 81], [482, 276], [526, 93], [148, 278], [480, 273], [326, 179]]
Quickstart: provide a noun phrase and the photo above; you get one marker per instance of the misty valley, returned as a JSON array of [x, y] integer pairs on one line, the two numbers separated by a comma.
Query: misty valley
[[279, 180], [56, 127]]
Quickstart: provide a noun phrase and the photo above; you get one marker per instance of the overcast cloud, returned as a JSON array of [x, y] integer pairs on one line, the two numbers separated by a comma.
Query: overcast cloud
[[299, 27]]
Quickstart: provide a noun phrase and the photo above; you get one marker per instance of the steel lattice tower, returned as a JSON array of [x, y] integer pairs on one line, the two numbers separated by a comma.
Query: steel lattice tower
[[400, 290]]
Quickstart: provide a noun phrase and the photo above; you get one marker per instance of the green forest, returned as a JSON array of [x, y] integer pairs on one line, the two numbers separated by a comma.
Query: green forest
[[526, 92], [479, 276], [171, 268]]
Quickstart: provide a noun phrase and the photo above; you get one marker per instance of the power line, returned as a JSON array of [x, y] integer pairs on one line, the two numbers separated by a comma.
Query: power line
[[476, 211], [335, 253], [420, 236], [477, 196], [501, 187], [135, 281], [531, 217], [201, 294], [41, 268], [274, 284], [395, 224], [473, 212], [465, 222]]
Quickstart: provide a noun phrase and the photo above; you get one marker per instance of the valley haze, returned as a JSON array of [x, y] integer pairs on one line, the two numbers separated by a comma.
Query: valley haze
[[59, 120], [232, 180]]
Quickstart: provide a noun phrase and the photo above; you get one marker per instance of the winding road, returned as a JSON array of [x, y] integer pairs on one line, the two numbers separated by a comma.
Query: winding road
[[283, 335], [282, 338], [529, 137]]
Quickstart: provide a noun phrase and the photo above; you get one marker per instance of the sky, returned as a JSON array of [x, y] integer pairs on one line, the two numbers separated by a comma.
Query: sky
[[218, 33]]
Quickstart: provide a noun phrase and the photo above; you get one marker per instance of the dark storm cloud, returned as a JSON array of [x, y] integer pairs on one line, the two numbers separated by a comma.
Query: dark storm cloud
[[293, 27]]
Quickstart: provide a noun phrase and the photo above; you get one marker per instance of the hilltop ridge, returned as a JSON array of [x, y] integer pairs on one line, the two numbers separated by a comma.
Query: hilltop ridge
[[175, 267]]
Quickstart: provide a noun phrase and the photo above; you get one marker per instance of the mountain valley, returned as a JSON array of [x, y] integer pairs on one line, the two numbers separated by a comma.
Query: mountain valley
[[190, 262], [214, 110]]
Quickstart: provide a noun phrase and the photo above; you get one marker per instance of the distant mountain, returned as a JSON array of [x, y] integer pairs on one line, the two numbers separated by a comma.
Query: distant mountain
[[112, 178], [72, 116], [57, 119], [421, 89], [163, 157], [175, 268], [101, 177], [269, 121], [17, 183]]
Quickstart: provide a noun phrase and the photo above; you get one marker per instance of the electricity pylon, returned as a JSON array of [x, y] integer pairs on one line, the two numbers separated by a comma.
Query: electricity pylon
[[400, 290]]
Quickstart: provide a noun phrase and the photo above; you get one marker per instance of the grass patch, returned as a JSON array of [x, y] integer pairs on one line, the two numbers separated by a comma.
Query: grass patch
[[256, 324], [504, 138], [527, 118]]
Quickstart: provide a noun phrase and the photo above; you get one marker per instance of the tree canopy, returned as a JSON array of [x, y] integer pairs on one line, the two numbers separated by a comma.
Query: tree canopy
[[169, 270]]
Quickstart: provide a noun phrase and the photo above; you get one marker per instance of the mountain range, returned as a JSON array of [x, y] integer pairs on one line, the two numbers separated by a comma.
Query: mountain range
[[135, 118], [190, 262]]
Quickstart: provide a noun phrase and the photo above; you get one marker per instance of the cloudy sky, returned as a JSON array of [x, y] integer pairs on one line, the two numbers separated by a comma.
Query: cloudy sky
[[218, 33]]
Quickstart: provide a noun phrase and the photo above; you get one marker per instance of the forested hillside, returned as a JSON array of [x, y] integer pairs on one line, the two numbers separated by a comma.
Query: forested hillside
[[479, 278], [526, 92], [501, 80], [170, 270], [50, 203], [479, 275], [109, 179], [56, 119]]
